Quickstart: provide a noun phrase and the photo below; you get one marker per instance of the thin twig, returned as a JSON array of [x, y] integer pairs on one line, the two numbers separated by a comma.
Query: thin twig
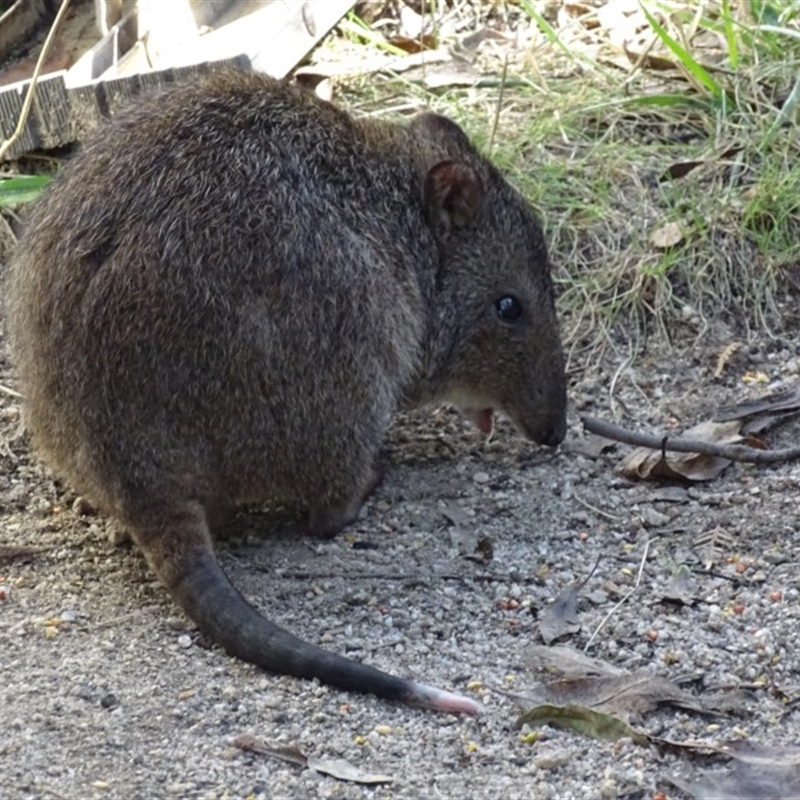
[[624, 600], [587, 504], [31, 93], [9, 391], [117, 622], [500, 95], [13, 552], [395, 576], [8, 13], [678, 444]]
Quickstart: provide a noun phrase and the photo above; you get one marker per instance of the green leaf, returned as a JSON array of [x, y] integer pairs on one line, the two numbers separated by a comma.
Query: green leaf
[[667, 100], [584, 721], [689, 63], [22, 189]]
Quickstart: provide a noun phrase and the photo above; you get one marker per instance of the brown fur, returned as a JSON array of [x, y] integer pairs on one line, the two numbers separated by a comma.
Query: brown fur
[[226, 295]]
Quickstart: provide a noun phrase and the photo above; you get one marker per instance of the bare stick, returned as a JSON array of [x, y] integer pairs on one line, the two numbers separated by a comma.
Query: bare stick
[[26, 106], [677, 444], [9, 391], [624, 600], [500, 95], [596, 510], [11, 552], [6, 15]]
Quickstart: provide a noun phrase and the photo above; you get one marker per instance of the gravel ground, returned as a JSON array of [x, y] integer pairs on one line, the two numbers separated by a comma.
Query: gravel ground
[[109, 692]]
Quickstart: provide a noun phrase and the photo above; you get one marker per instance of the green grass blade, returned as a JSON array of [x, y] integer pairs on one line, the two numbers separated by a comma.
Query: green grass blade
[[764, 13], [785, 115], [545, 26], [667, 100], [730, 34], [355, 27], [692, 66], [654, 100], [22, 189]]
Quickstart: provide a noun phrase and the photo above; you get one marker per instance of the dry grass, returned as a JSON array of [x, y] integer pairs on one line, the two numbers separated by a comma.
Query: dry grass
[[668, 177], [658, 140]]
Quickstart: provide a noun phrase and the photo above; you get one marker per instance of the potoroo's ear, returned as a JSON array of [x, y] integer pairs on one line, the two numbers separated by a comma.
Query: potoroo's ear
[[453, 194]]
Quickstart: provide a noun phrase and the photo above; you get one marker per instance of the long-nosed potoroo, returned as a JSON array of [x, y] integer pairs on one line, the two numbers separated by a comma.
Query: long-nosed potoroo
[[227, 293]]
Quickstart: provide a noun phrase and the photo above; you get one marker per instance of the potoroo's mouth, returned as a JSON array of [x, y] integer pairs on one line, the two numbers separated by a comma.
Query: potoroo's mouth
[[549, 433], [481, 418]]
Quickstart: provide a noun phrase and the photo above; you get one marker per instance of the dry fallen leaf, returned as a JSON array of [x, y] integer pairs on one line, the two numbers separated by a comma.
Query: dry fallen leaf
[[668, 235], [567, 661], [599, 707], [682, 168], [644, 463], [681, 587], [762, 754], [335, 767], [416, 45], [620, 695], [759, 772], [457, 72], [763, 413], [560, 618], [605, 727], [649, 60], [679, 169], [253, 744], [345, 771], [712, 546]]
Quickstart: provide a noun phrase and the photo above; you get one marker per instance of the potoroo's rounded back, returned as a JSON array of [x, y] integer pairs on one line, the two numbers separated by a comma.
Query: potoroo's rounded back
[[226, 295]]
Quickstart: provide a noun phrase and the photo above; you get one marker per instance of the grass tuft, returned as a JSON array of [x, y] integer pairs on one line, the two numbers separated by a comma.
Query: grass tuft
[[659, 142]]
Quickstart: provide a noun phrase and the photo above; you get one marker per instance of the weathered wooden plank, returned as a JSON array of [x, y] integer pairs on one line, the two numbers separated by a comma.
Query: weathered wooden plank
[[63, 114], [271, 36], [106, 53], [275, 34], [107, 14], [51, 113], [50, 93], [85, 112]]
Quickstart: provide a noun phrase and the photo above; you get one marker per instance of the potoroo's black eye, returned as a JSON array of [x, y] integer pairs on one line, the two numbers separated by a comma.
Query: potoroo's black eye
[[508, 308]]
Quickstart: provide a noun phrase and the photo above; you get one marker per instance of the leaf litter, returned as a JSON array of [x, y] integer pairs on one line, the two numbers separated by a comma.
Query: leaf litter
[[560, 618], [598, 701], [705, 450], [338, 768], [757, 772]]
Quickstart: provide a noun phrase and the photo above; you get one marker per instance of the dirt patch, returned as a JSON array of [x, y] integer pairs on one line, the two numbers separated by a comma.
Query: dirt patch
[[108, 691]]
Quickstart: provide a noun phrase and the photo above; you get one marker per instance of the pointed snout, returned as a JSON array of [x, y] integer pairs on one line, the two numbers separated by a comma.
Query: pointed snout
[[549, 429], [553, 433], [542, 416]]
